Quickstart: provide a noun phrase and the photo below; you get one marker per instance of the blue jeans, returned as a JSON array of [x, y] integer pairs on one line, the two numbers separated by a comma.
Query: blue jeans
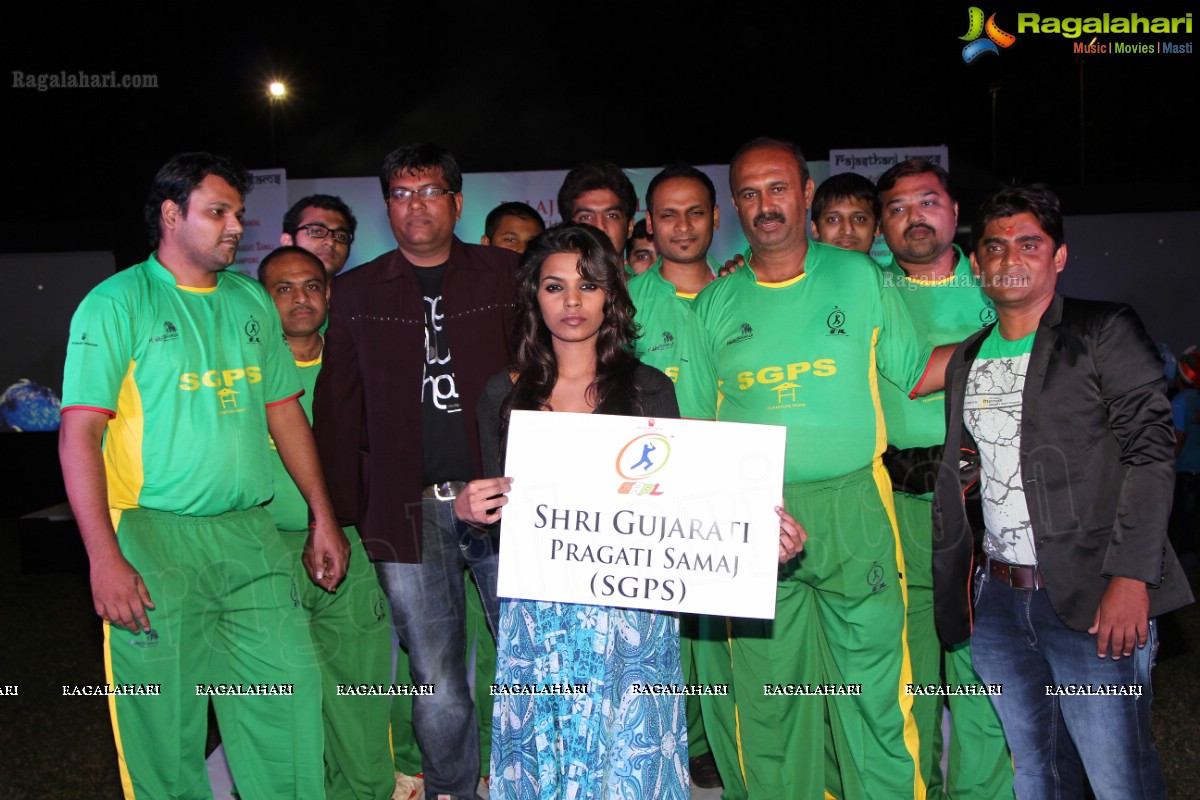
[[428, 610], [1020, 643]]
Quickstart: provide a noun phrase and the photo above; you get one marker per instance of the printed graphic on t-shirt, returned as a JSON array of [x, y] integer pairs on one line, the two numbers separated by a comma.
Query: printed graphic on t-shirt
[[992, 412], [438, 387]]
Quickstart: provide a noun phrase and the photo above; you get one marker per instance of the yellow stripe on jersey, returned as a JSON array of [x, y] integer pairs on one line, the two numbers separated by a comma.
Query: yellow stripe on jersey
[[926, 282], [911, 738], [197, 289], [123, 445], [877, 403], [737, 719], [884, 486], [126, 781], [782, 284]]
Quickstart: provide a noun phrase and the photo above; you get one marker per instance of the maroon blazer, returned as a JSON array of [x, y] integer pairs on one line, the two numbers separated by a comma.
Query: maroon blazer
[[367, 405]]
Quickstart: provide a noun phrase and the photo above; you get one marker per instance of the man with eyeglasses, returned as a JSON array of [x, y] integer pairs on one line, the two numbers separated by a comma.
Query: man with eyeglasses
[[323, 225], [413, 337]]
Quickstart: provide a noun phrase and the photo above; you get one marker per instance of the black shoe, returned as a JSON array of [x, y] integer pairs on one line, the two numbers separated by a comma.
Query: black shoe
[[704, 772]]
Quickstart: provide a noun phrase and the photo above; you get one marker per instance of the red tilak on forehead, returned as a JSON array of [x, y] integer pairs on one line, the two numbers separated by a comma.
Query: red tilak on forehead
[[1008, 231]]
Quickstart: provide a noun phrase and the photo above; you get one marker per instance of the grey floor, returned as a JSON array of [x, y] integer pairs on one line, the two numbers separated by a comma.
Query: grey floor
[[218, 767], [218, 771], [218, 775]]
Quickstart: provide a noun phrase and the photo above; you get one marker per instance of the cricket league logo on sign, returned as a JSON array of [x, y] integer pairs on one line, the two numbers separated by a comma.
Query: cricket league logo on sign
[[976, 28], [641, 457]]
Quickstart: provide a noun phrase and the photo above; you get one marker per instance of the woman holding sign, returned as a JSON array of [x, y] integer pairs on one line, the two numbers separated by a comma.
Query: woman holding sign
[[617, 738]]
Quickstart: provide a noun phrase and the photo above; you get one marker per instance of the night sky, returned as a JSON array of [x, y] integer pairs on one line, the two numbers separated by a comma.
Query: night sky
[[522, 88]]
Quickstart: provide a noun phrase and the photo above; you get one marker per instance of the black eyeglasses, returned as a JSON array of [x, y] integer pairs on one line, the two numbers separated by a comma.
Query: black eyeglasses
[[318, 231], [425, 193]]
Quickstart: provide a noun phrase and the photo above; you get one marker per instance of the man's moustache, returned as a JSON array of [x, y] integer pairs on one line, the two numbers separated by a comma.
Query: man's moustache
[[769, 216]]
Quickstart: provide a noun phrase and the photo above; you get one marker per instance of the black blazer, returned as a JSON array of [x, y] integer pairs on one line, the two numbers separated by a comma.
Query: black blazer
[[1097, 463]]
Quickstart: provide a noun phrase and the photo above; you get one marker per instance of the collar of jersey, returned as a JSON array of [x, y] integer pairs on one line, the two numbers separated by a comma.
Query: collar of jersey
[[164, 274], [656, 268], [962, 265], [924, 282], [782, 284]]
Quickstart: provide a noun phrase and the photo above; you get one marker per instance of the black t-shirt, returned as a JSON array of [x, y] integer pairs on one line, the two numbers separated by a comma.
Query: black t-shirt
[[446, 454]]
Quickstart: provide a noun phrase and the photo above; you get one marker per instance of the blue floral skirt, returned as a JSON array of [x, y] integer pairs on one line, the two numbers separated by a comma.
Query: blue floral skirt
[[573, 719]]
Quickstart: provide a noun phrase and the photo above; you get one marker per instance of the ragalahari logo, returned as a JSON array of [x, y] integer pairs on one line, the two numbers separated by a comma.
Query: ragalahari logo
[[976, 28]]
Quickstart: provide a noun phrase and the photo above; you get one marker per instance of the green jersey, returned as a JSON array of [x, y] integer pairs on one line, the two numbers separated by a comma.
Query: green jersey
[[806, 353], [289, 509], [672, 339], [185, 375], [942, 312]]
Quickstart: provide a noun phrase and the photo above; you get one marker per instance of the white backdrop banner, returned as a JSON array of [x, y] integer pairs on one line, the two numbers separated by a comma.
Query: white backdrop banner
[[871, 162], [482, 191], [265, 206]]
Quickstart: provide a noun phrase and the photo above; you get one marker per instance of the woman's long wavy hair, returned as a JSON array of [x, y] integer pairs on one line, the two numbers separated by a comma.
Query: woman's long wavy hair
[[613, 391]]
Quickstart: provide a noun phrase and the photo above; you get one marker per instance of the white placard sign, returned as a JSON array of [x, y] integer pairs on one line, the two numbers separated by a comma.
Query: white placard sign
[[658, 514]]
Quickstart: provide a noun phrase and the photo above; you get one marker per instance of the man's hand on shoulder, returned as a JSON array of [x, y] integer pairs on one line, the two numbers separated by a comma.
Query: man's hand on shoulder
[[1122, 619], [731, 266]]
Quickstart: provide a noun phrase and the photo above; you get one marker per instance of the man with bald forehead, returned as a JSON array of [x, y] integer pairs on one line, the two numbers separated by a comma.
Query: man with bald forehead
[[800, 337]]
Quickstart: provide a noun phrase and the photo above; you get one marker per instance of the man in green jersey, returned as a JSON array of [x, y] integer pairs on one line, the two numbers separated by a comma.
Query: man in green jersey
[[845, 212], [640, 251], [351, 629], [681, 215], [176, 371], [799, 338], [932, 276]]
